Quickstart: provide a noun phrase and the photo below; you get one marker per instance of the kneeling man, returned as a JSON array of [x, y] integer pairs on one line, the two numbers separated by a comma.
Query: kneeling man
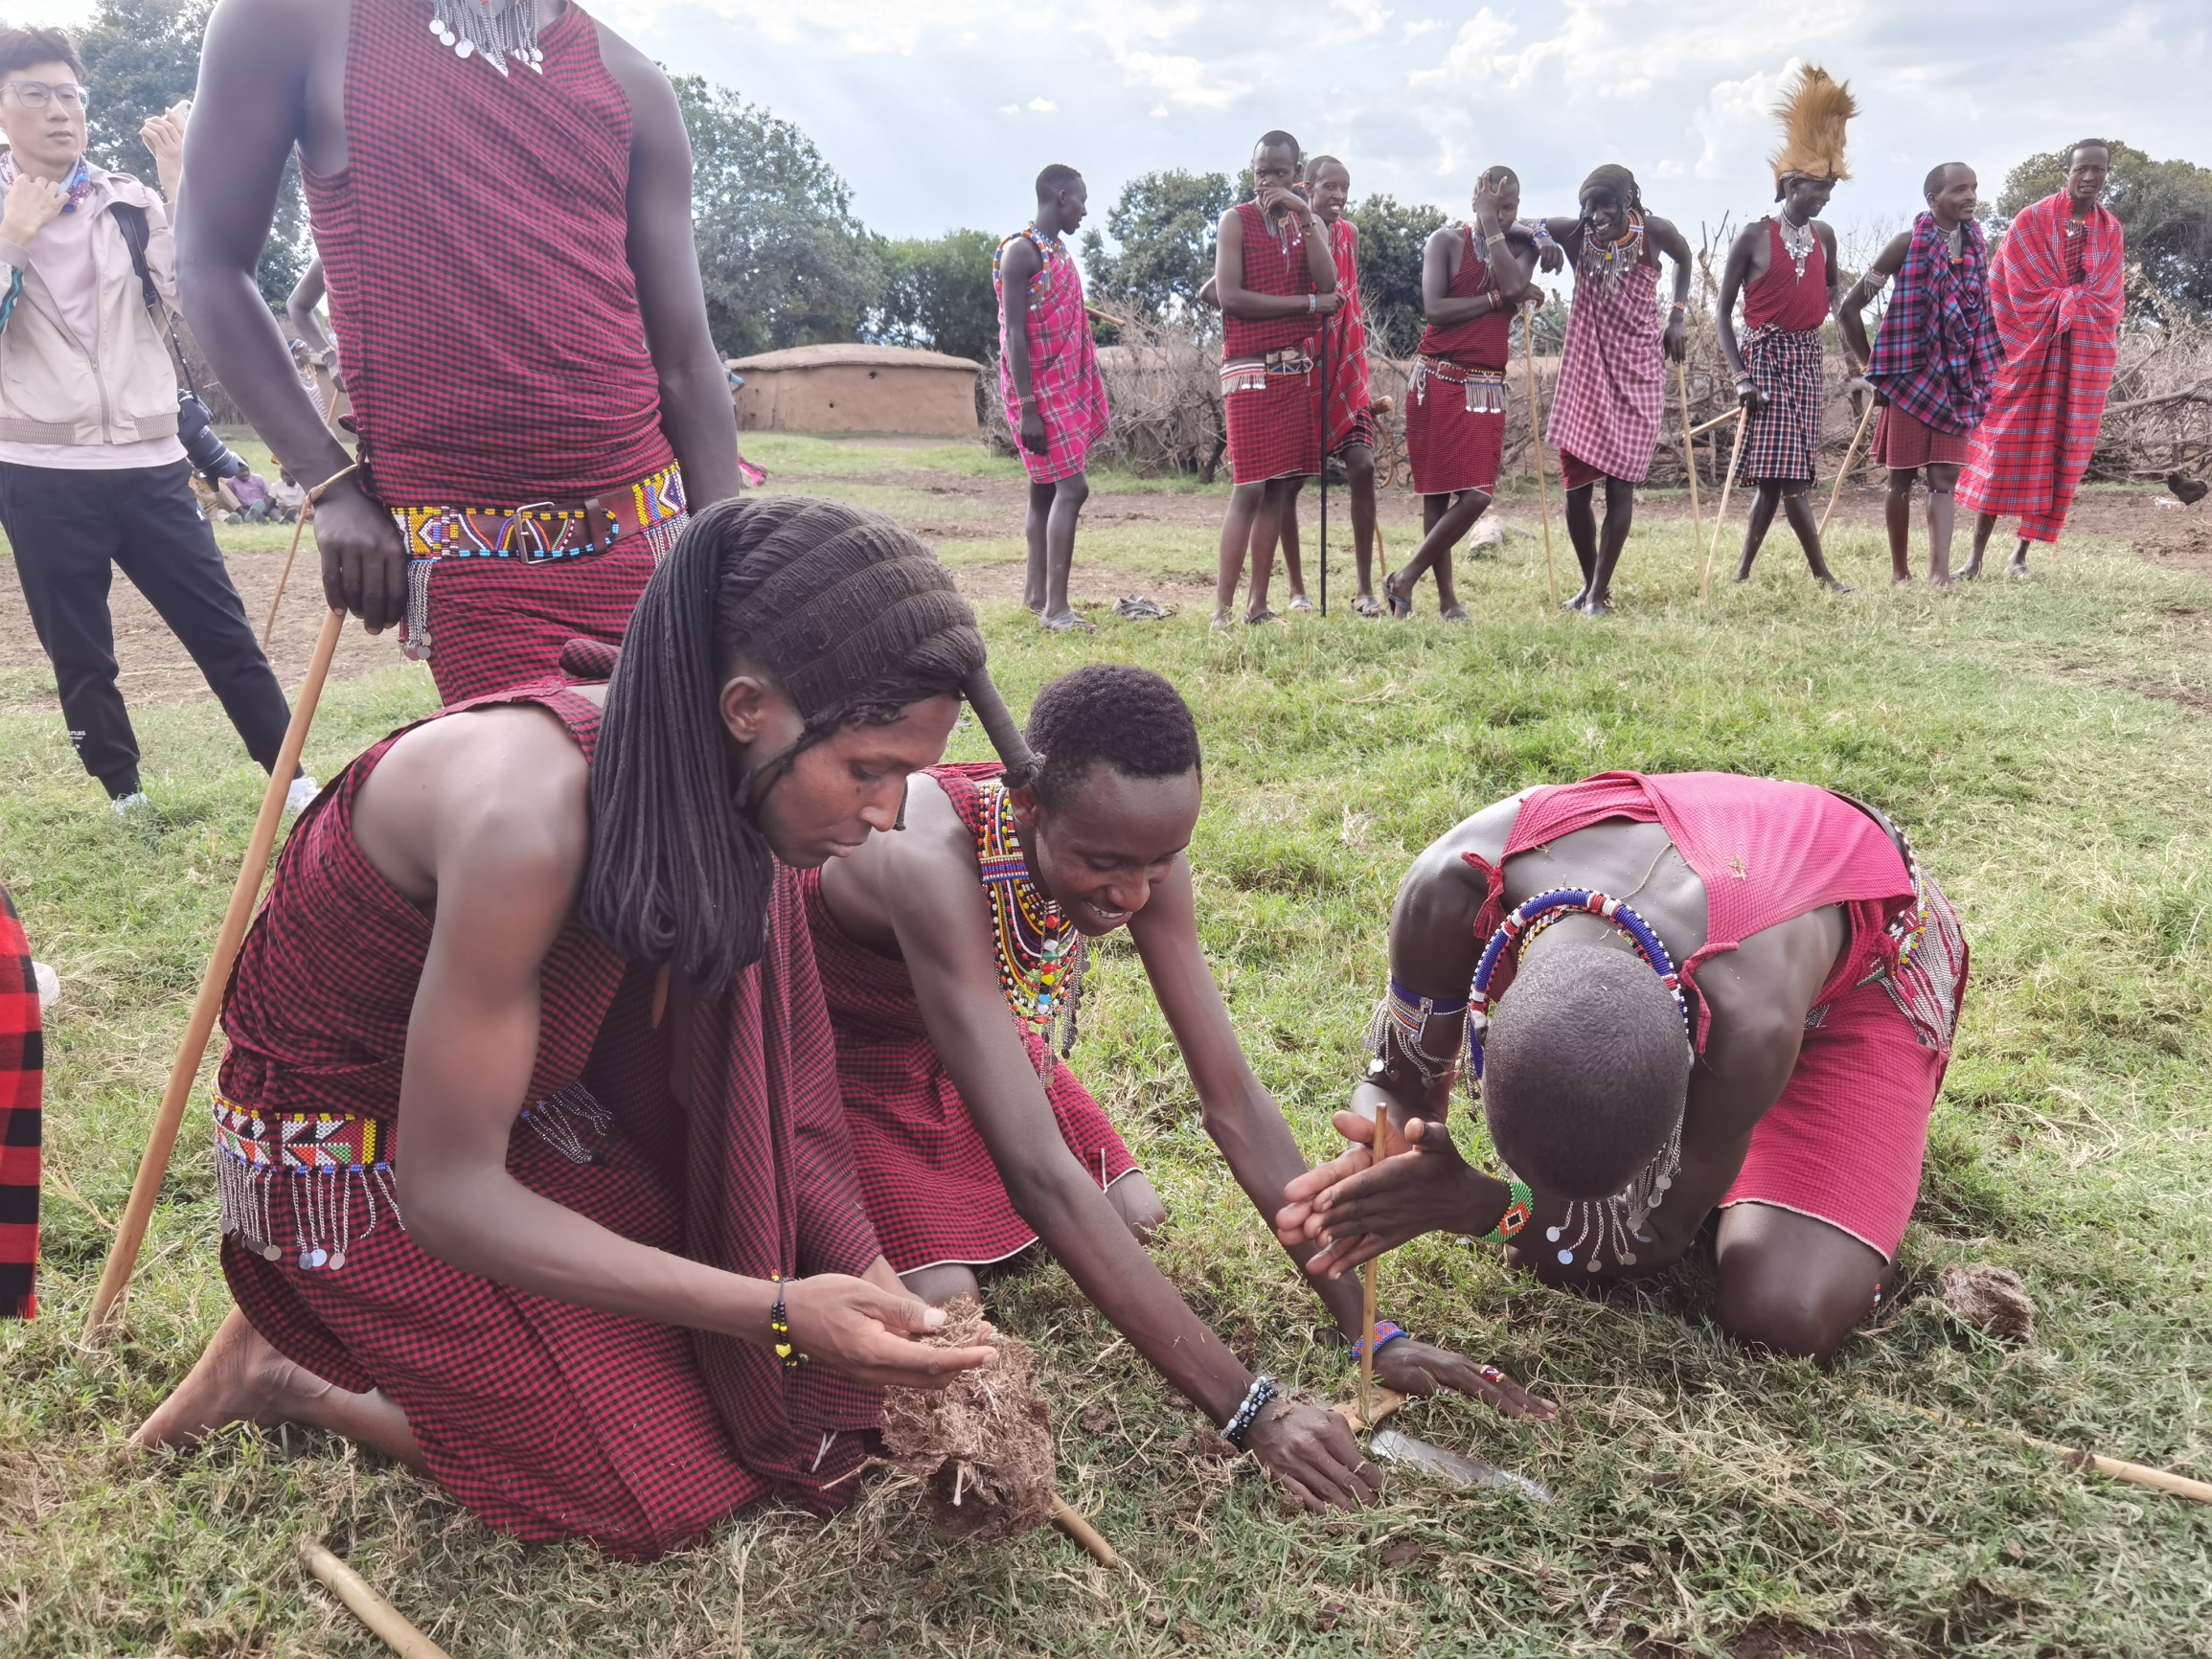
[[971, 1135], [1783, 1071]]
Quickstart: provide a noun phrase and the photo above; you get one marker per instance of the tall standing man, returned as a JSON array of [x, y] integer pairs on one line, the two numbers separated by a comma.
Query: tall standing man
[[1048, 375], [92, 475], [1933, 363], [1784, 266], [1613, 388], [505, 226], [2057, 291], [1455, 402], [1275, 276]]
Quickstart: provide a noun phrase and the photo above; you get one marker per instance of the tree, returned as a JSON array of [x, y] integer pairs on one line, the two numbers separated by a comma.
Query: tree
[[1163, 225], [1392, 238], [938, 292], [141, 56], [2165, 207], [783, 260]]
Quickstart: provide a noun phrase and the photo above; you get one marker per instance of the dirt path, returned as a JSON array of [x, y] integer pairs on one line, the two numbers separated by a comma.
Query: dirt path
[[156, 672]]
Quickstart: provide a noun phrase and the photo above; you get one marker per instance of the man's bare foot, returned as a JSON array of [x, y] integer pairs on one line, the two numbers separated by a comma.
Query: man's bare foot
[[1972, 571], [2019, 570], [1900, 579], [1596, 605], [1943, 579], [1833, 585], [239, 1378], [1456, 613]]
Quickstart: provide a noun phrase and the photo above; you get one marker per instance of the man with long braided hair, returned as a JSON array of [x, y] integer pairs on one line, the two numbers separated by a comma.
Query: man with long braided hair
[[973, 1137], [534, 1173]]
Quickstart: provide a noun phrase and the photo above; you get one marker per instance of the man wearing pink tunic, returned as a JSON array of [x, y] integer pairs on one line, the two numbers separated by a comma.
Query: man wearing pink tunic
[[1049, 376]]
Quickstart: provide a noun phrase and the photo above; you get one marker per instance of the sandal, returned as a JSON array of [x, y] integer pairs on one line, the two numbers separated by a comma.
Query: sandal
[[1401, 605], [1069, 622], [1299, 601], [1366, 604], [1223, 619], [1456, 614], [1259, 618]]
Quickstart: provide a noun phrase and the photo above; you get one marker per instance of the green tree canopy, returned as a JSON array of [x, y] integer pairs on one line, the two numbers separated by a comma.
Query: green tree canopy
[[936, 292], [784, 260], [2165, 206], [140, 57], [1163, 225], [1392, 236]]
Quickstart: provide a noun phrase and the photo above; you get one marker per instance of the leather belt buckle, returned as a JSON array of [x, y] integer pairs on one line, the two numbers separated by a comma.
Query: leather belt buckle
[[600, 526]]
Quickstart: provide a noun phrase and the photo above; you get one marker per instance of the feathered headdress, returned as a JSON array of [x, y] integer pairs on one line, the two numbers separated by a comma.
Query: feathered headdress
[[1815, 112]]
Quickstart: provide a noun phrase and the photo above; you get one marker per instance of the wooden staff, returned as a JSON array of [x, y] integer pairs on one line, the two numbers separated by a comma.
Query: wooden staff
[[1324, 467], [2119, 1470], [130, 1229], [1536, 432], [1070, 1521], [1721, 515], [1689, 452], [299, 525], [1367, 1285], [1720, 420], [1850, 455], [386, 1620]]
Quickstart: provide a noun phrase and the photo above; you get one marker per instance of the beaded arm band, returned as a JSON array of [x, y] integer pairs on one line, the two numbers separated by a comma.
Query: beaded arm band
[[1397, 1027], [1241, 1419], [1516, 1212], [1386, 1333]]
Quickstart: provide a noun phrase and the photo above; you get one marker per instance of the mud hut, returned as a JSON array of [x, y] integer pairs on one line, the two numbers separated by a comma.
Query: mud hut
[[853, 388]]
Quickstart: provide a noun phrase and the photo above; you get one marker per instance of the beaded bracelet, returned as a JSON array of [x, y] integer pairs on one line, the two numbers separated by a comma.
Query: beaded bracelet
[[779, 1327], [1516, 1216], [1256, 1399], [1386, 1333]]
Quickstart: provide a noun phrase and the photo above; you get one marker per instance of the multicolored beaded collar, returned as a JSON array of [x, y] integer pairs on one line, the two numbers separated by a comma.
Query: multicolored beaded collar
[[1530, 918], [1048, 249], [1040, 955], [1612, 260]]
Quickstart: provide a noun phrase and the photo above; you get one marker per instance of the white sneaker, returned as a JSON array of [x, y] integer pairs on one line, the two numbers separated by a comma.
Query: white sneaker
[[303, 791], [132, 806]]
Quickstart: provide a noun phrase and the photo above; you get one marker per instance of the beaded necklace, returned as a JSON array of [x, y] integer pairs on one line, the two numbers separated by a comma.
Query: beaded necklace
[[1613, 261], [1040, 955], [1590, 1229], [491, 30], [1796, 241], [1048, 249]]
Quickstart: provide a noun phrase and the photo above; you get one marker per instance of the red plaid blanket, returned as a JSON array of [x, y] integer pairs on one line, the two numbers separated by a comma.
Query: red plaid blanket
[[2061, 343], [21, 1066], [1063, 367], [1938, 353], [1347, 335]]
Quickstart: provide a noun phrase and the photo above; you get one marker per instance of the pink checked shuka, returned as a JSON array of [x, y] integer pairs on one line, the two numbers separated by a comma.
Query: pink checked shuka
[[1613, 388], [1348, 398], [2057, 293], [1063, 362]]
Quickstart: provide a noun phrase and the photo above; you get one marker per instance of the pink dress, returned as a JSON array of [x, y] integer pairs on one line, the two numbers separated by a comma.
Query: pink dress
[[1063, 363]]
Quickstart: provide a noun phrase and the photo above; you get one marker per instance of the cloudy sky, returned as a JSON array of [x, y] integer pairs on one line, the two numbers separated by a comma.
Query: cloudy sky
[[940, 112]]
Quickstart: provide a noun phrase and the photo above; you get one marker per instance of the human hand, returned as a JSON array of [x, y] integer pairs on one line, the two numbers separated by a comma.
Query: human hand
[[1329, 304], [1298, 1222], [163, 135], [1488, 189], [1034, 437], [1416, 1368], [1311, 1450], [1275, 198], [1748, 395], [33, 204], [865, 1332], [1426, 1187], [1551, 258], [1676, 341], [364, 560]]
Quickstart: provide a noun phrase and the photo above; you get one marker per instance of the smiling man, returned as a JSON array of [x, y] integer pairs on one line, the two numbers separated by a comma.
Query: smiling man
[[974, 1139]]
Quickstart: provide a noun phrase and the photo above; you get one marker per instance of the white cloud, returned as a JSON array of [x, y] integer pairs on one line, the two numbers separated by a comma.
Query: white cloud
[[1043, 105], [1181, 79]]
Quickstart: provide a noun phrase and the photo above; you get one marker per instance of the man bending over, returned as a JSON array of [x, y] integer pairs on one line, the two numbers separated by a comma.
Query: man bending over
[[1676, 992], [972, 1136]]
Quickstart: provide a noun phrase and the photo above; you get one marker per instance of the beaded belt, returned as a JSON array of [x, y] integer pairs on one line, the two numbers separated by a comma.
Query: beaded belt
[[1251, 373], [1485, 387], [540, 531], [335, 1166]]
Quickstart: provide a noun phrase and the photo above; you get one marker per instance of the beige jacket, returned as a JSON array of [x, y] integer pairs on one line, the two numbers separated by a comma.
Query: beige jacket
[[120, 386]]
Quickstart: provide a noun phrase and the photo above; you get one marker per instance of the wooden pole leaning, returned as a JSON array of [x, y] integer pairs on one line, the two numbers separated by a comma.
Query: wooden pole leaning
[[1324, 467], [1689, 452], [2116, 1469], [199, 1026], [1367, 1286], [299, 527], [1536, 439], [1850, 458], [391, 1626], [1721, 514]]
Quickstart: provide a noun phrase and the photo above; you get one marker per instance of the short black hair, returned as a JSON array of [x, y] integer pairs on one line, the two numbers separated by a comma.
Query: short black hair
[[1055, 178], [1315, 163], [21, 48], [2081, 144], [1938, 177], [1127, 717], [1278, 139], [1500, 172], [1586, 1071]]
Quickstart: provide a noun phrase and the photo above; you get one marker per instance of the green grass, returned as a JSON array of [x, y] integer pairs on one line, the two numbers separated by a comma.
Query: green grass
[[1702, 1494]]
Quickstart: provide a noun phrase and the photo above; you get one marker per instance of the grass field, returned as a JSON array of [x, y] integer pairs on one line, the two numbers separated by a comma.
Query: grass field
[[2037, 741]]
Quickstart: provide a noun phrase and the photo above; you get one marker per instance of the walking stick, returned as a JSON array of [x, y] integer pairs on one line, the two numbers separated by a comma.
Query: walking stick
[[299, 525], [386, 1620], [130, 1229], [1720, 514], [1536, 434], [1367, 1290], [1324, 465], [1690, 453], [1850, 455]]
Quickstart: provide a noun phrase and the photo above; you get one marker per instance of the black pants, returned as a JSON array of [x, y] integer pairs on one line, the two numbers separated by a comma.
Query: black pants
[[68, 529]]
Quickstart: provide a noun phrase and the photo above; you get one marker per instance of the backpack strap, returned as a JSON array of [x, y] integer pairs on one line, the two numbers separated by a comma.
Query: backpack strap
[[130, 219]]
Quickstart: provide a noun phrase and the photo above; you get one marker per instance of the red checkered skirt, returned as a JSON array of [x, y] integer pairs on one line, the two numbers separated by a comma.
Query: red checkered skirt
[[22, 1060], [1902, 442], [1455, 427], [1274, 422], [1783, 438]]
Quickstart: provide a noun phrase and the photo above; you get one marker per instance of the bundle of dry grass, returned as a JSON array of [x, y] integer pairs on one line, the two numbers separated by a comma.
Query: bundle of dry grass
[[983, 1447], [1990, 1299]]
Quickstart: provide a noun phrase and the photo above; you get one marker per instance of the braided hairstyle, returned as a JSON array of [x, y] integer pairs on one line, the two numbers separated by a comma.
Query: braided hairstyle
[[849, 615]]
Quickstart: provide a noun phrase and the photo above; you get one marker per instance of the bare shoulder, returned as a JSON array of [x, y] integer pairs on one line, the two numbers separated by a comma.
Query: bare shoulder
[[272, 34], [641, 79], [1752, 236], [1021, 258], [1442, 870], [1443, 239], [1666, 233], [1232, 227], [1826, 231]]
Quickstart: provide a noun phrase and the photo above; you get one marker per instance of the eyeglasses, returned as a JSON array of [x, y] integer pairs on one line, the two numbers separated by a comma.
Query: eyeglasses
[[36, 94]]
